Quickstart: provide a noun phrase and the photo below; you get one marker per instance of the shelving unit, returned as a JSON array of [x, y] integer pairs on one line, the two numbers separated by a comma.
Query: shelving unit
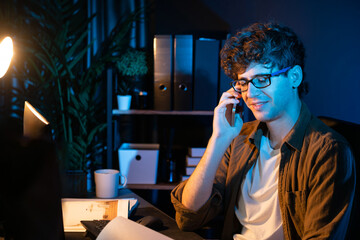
[[117, 112], [156, 113], [155, 116], [114, 114]]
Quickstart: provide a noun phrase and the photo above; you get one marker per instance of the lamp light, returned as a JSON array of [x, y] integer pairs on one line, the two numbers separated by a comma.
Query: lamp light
[[6, 53], [34, 123]]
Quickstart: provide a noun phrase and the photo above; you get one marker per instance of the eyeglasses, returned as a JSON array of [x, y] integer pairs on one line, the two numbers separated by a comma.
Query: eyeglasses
[[259, 81]]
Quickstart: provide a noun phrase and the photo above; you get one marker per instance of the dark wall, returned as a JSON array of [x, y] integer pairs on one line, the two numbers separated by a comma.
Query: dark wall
[[329, 29]]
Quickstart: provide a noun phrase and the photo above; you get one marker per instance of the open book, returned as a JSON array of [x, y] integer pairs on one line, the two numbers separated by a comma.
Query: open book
[[78, 209]]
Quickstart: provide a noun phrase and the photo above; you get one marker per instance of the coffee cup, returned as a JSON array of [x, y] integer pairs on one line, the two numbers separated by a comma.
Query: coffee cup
[[108, 182]]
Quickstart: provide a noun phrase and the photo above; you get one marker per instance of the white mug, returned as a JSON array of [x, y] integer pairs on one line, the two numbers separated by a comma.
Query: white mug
[[107, 183]]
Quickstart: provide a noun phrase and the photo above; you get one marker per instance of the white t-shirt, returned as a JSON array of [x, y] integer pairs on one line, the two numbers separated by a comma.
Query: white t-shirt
[[258, 208]]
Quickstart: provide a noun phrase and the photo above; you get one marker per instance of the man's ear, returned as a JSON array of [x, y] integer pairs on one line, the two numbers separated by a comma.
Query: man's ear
[[295, 75]]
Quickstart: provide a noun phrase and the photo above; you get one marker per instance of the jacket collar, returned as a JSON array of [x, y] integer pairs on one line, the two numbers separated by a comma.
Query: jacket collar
[[295, 136]]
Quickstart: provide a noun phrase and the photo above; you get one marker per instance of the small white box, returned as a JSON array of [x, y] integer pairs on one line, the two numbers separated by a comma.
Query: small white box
[[139, 162]]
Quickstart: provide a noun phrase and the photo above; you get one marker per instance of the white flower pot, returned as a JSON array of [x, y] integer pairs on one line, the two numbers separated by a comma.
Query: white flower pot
[[124, 102]]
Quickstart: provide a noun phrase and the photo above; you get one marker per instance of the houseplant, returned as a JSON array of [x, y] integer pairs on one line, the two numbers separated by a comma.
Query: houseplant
[[130, 67], [59, 74]]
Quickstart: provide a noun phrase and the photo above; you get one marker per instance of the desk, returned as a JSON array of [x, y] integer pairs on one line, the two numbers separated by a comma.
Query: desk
[[144, 209]]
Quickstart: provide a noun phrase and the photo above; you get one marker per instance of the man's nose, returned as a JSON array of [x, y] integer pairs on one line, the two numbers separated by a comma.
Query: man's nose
[[252, 90]]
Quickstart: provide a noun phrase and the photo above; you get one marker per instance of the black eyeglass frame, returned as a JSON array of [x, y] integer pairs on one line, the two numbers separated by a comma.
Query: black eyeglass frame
[[266, 76]]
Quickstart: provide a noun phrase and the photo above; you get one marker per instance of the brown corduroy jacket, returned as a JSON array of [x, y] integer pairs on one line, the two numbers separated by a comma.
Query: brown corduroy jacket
[[316, 182]]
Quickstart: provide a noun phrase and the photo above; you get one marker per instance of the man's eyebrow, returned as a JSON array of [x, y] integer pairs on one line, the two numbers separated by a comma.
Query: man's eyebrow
[[257, 75]]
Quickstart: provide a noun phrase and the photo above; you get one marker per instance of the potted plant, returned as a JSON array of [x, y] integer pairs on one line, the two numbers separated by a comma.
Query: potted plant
[[131, 66], [58, 75]]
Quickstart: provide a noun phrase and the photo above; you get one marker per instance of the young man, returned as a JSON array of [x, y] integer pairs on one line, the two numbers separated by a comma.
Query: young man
[[283, 176]]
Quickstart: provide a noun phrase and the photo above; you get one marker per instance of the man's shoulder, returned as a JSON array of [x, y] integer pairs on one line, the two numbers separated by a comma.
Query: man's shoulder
[[319, 131]]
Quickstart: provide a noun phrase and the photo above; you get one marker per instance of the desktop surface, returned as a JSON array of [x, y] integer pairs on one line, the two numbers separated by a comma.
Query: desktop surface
[[144, 208]]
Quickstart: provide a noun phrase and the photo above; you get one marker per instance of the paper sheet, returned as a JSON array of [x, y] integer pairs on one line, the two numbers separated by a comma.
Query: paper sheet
[[121, 228]]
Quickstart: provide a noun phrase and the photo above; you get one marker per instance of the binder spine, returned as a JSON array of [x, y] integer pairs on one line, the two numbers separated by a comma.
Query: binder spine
[[224, 79], [183, 64], [206, 74], [163, 83]]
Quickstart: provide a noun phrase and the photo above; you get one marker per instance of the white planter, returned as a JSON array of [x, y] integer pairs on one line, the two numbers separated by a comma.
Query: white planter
[[124, 102]]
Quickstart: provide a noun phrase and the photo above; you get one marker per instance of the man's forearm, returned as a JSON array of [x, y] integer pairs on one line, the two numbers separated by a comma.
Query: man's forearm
[[199, 186]]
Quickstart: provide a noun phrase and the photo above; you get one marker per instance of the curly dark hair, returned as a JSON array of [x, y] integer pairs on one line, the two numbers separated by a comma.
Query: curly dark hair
[[263, 43]]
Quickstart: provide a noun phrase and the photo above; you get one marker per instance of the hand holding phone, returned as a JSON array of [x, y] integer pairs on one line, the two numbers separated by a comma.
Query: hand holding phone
[[232, 109]]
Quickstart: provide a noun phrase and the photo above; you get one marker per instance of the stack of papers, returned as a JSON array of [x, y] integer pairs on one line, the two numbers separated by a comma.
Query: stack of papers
[[77, 209]]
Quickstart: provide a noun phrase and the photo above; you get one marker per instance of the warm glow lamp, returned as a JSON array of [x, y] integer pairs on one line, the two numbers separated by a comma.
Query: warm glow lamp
[[34, 123], [6, 53]]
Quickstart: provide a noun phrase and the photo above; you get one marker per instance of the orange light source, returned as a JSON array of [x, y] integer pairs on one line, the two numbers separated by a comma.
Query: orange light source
[[6, 53], [34, 122]]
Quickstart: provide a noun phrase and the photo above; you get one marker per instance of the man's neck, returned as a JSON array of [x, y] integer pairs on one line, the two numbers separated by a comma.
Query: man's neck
[[279, 128]]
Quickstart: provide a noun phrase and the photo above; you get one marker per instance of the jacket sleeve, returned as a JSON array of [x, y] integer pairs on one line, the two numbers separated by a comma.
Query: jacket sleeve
[[189, 220], [331, 193]]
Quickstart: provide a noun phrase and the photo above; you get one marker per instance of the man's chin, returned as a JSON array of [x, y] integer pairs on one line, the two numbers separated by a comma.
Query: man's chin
[[261, 116]]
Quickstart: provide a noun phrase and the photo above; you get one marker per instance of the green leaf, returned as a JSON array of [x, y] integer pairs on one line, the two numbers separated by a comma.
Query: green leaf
[[52, 71]]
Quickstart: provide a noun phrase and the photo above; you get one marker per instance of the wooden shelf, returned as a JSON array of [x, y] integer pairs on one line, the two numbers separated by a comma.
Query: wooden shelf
[[157, 112], [159, 186]]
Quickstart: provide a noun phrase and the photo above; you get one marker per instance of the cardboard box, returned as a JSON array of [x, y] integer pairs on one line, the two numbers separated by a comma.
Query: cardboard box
[[139, 162]]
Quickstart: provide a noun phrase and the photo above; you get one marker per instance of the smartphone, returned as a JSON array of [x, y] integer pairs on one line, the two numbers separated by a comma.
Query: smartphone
[[232, 109]]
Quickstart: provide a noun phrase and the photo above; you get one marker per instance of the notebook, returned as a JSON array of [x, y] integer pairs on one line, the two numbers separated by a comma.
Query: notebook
[[77, 209]]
